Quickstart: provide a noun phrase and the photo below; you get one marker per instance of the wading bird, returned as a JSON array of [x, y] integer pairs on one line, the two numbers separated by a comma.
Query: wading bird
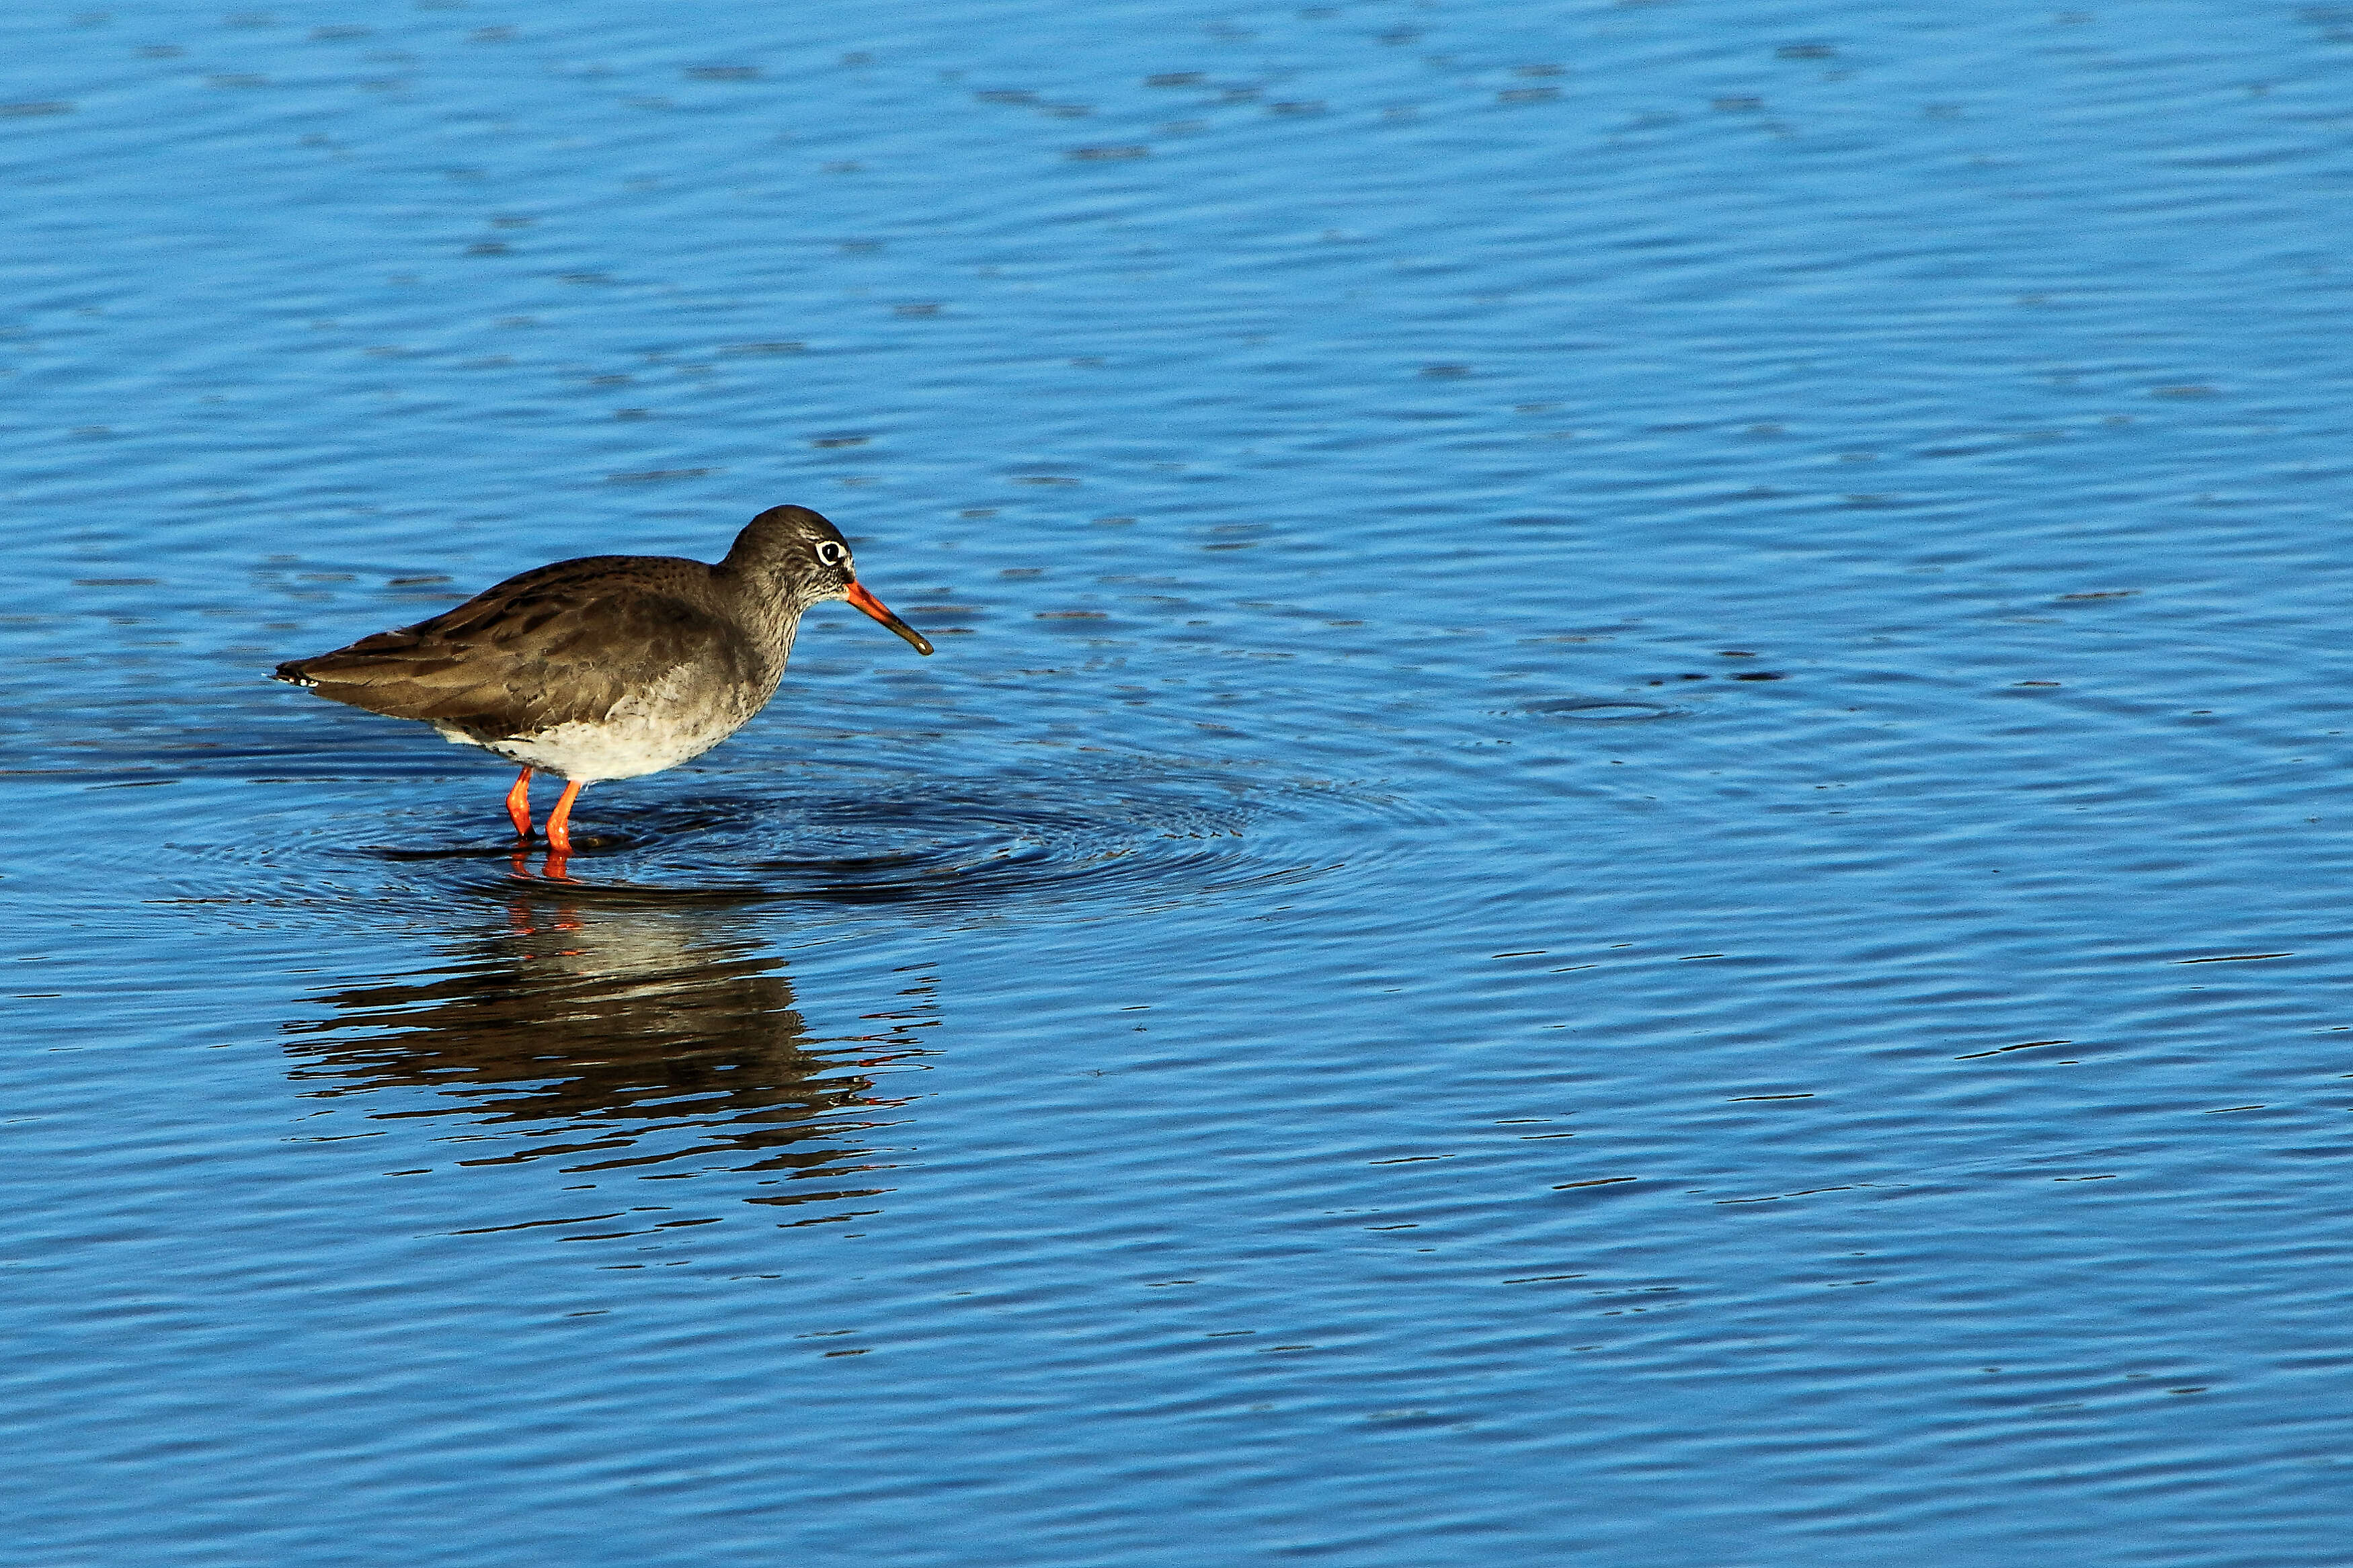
[[609, 667]]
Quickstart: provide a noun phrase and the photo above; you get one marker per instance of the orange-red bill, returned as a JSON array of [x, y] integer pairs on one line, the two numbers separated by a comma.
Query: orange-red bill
[[867, 602]]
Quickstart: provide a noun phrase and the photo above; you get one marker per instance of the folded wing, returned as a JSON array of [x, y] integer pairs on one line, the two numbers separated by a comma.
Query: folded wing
[[537, 651]]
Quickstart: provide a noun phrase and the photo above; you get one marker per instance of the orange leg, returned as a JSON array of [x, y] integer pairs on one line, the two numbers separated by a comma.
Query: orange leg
[[519, 803], [559, 821]]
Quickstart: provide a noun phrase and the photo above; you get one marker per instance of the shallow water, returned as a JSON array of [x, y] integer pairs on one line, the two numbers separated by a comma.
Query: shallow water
[[1747, 592]]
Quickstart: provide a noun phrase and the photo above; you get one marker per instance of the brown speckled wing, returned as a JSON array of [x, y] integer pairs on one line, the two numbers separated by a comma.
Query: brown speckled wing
[[553, 646]]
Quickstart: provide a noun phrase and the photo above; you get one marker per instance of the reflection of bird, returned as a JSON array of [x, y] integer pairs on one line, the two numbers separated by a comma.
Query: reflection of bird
[[609, 667], [625, 1031]]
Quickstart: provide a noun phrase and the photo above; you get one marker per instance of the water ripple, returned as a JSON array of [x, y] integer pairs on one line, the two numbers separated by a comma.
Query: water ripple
[[1604, 709], [1082, 845]]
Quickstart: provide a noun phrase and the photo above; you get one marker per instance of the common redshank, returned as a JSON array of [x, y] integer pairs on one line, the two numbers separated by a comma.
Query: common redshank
[[610, 667]]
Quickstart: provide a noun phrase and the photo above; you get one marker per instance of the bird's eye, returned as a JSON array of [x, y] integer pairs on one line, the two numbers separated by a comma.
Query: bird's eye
[[832, 554]]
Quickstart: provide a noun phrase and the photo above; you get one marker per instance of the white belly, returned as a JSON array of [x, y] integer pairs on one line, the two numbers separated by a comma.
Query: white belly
[[644, 734]]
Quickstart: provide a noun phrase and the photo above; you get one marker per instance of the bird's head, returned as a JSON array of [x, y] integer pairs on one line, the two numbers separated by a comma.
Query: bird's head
[[807, 561]]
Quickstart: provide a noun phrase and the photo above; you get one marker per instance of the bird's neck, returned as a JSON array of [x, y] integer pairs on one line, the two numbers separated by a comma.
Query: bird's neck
[[763, 603]]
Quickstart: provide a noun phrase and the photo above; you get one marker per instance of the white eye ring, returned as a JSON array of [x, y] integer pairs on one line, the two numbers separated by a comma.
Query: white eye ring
[[832, 554]]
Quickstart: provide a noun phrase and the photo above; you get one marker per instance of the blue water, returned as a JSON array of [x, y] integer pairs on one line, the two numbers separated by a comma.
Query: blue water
[[1627, 848]]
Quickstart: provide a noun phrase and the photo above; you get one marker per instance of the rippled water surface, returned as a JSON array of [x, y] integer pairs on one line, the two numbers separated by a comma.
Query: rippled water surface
[[1627, 846]]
